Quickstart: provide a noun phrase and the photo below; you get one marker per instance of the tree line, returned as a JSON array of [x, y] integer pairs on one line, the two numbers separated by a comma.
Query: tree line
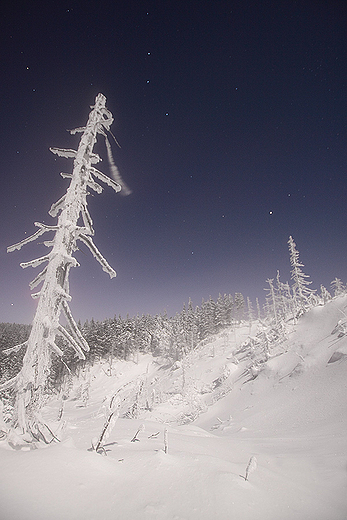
[[173, 337]]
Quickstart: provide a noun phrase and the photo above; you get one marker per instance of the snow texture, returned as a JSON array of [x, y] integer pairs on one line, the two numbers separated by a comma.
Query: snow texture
[[267, 447]]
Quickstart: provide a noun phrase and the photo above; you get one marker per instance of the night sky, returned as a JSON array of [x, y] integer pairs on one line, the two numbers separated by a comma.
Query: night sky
[[232, 121]]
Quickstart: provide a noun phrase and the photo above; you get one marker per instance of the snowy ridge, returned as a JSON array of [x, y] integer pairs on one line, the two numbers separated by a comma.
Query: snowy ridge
[[253, 433]]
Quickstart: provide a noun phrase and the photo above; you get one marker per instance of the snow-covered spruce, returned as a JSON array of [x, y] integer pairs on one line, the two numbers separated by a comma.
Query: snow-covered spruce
[[301, 293]]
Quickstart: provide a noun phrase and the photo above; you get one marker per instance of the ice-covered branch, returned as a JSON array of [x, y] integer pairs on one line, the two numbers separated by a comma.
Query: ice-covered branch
[[75, 130], [66, 335], [16, 348], [94, 185], [57, 206], [48, 243], [87, 220], [108, 426], [9, 384], [75, 331], [43, 229], [63, 152], [55, 348], [96, 253], [36, 262], [22, 243], [61, 293], [38, 279], [104, 178], [94, 158]]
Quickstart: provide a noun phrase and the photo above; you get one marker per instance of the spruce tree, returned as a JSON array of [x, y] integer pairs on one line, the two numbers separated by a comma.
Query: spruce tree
[[325, 294], [239, 306], [337, 287], [301, 293]]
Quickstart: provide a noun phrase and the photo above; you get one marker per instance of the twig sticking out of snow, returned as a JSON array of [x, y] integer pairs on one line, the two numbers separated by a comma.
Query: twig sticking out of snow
[[251, 466], [140, 429], [54, 437], [154, 435], [108, 426], [166, 441]]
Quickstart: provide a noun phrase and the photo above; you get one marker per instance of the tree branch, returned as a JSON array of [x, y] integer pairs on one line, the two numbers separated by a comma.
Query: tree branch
[[96, 253], [104, 178], [14, 349], [74, 328], [36, 262], [65, 334], [9, 384], [38, 279], [22, 243], [56, 206], [64, 152]]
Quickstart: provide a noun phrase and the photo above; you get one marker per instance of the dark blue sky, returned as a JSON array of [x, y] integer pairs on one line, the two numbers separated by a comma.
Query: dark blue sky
[[232, 122]]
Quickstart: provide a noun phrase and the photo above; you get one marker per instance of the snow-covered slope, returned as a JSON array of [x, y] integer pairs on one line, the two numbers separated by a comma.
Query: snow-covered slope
[[223, 405]]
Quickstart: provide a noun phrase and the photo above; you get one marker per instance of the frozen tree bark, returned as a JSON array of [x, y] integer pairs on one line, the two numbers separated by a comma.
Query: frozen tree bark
[[74, 223]]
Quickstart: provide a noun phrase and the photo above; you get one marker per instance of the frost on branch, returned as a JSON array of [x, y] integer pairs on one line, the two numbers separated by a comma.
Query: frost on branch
[[38, 279], [57, 206], [96, 253], [102, 177], [87, 221], [54, 295], [94, 185], [36, 262], [64, 153], [43, 229], [74, 330], [9, 384], [71, 341]]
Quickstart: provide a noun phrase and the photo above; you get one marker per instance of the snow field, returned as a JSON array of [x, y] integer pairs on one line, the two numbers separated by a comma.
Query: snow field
[[290, 414]]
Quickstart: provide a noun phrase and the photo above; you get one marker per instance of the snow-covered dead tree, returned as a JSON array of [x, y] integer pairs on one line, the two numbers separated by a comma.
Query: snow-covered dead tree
[[324, 294], [337, 287], [74, 223], [302, 295], [271, 302]]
